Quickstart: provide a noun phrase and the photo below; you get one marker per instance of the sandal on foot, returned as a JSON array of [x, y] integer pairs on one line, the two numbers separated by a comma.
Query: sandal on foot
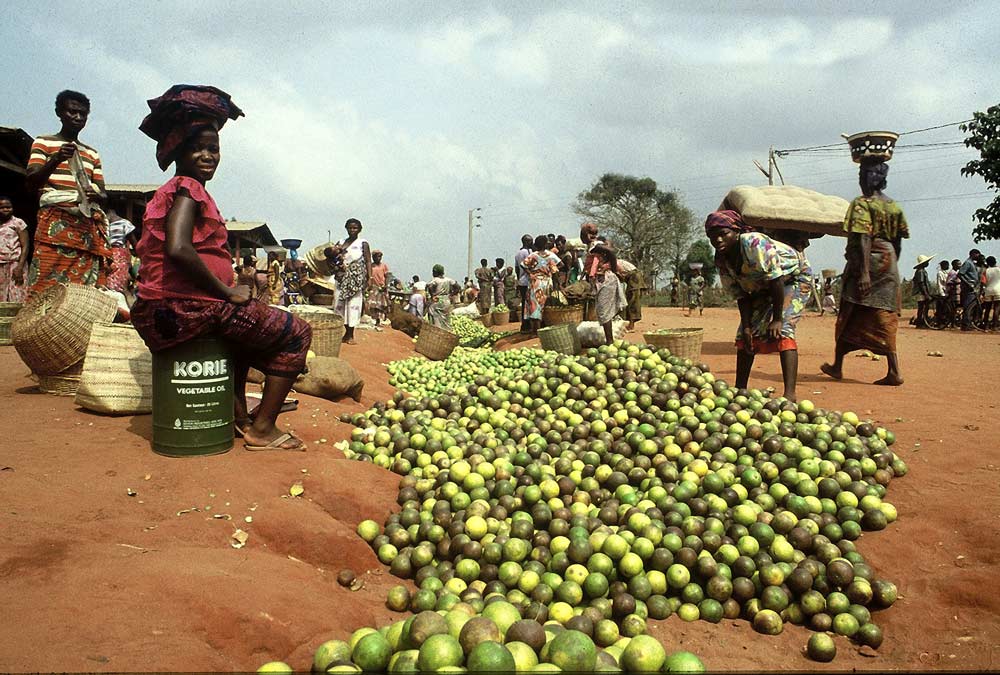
[[277, 444]]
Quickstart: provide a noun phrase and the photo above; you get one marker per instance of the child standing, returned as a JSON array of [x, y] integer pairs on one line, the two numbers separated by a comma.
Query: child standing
[[13, 253]]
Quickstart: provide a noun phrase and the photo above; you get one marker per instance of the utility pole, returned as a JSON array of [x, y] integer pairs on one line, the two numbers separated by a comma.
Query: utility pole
[[471, 211], [772, 167]]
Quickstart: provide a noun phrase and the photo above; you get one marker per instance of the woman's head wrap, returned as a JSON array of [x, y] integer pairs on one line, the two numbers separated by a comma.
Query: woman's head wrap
[[728, 220], [181, 111], [438, 270]]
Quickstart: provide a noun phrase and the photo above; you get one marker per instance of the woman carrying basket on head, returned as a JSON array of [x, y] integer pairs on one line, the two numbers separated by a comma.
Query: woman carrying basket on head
[[185, 287], [772, 283]]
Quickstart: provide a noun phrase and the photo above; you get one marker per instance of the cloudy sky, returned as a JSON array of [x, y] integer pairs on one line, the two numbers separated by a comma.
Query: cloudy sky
[[408, 114]]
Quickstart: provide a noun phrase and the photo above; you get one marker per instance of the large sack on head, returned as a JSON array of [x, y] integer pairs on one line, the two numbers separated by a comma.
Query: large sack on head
[[329, 377], [404, 321], [787, 207]]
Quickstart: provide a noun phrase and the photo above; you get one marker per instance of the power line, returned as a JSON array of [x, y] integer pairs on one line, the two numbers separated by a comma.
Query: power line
[[813, 148]]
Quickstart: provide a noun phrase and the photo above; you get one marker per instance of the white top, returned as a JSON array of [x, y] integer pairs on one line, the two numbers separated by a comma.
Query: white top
[[355, 250], [993, 281], [118, 230]]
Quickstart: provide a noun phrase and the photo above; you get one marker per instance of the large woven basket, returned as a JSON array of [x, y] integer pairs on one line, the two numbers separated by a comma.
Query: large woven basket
[[561, 338], [64, 383], [324, 299], [10, 309], [52, 330], [327, 335], [553, 316], [684, 343], [435, 343], [499, 318], [5, 323], [327, 328], [486, 319], [117, 377]]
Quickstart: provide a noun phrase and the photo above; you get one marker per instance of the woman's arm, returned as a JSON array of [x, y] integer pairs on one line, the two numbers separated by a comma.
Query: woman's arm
[[865, 278], [181, 251], [776, 289], [37, 175], [744, 304], [368, 262], [22, 237]]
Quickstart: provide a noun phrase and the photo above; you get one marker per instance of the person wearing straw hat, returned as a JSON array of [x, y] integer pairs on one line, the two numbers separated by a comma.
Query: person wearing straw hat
[[186, 288], [922, 292]]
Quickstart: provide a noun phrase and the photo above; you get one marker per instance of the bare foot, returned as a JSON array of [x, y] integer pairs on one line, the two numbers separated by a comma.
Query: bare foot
[[890, 381], [791, 396], [829, 370], [350, 341]]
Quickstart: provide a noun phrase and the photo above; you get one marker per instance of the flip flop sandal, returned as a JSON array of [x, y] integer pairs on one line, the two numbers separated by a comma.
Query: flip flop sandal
[[277, 443]]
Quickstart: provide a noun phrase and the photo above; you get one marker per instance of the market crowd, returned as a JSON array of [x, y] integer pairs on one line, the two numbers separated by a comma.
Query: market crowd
[[184, 282]]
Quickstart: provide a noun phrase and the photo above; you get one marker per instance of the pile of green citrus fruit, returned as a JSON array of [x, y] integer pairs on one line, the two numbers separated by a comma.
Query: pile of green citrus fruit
[[472, 333], [466, 366], [627, 485], [493, 639]]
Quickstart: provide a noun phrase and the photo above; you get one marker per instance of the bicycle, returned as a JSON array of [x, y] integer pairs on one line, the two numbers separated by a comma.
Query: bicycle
[[951, 314]]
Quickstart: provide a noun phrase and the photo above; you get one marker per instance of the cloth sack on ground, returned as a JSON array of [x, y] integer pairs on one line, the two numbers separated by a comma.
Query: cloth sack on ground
[[591, 333], [329, 377], [471, 310], [405, 322], [577, 292]]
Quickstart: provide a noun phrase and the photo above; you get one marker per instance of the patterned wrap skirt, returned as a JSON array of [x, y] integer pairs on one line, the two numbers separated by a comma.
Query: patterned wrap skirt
[[269, 339]]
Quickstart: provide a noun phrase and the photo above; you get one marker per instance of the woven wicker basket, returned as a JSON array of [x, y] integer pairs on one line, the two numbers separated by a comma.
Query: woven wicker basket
[[591, 313], [553, 316], [64, 383], [327, 335], [684, 343], [327, 328], [561, 338], [117, 377], [499, 318], [10, 309], [325, 299], [486, 319], [51, 332], [829, 274], [5, 323], [435, 343]]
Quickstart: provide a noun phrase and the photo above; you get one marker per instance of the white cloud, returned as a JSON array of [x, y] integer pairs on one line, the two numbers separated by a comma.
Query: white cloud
[[456, 41]]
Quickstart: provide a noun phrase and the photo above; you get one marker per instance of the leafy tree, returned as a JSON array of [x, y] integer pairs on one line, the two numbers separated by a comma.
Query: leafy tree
[[984, 136], [701, 252], [650, 227]]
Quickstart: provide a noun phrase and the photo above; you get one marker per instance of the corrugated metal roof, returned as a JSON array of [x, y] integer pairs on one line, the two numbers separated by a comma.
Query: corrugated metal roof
[[243, 225], [131, 188]]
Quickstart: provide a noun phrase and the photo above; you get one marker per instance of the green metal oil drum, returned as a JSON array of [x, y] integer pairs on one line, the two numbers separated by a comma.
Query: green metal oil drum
[[193, 399]]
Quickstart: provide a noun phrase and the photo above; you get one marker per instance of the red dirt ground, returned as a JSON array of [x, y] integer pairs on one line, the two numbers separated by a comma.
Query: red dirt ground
[[96, 580]]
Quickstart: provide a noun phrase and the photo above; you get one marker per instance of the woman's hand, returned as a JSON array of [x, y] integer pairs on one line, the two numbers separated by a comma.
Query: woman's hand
[[18, 274], [239, 295], [747, 333], [774, 330], [864, 285]]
